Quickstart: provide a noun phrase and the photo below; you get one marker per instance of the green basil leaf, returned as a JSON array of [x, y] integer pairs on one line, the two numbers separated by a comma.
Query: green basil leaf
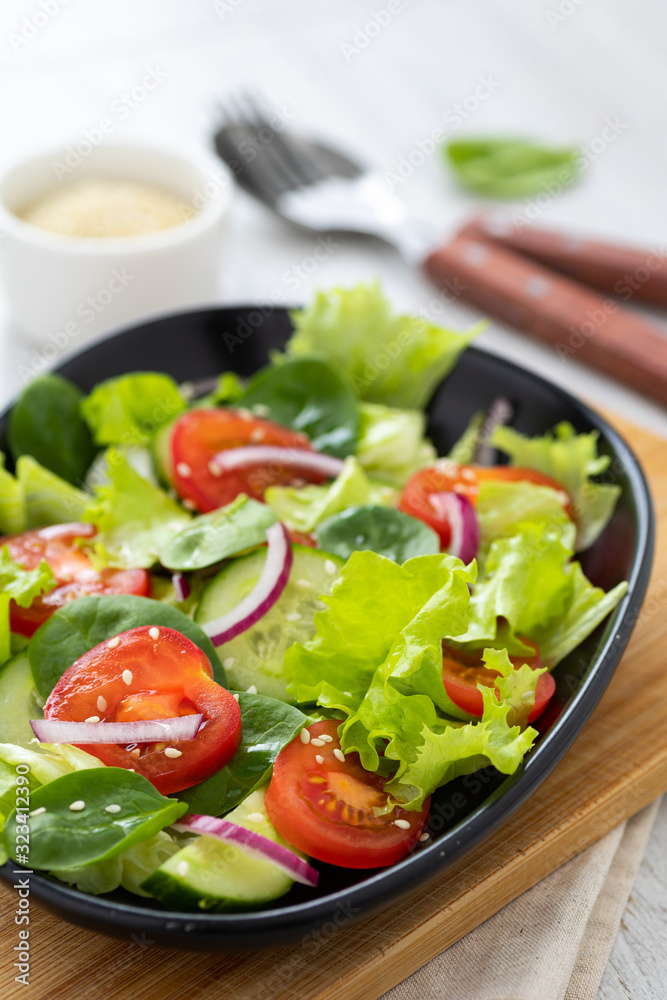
[[267, 725], [211, 537], [45, 422], [78, 626], [510, 168], [61, 837], [388, 532], [308, 395]]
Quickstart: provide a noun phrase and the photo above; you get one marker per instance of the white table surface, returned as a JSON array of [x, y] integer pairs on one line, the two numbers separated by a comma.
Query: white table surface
[[559, 69]]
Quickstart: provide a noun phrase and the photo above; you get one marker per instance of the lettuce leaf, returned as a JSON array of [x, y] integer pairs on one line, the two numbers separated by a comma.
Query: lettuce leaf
[[572, 460], [391, 443], [35, 497], [20, 585], [129, 409], [502, 505], [133, 518], [392, 359], [127, 869], [303, 508]]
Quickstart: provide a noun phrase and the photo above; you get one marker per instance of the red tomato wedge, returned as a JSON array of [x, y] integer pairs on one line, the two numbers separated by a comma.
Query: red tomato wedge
[[448, 477], [72, 569], [336, 811], [462, 673], [199, 435], [143, 677]]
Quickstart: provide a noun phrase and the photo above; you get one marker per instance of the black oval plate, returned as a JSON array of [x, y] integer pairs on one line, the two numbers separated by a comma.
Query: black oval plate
[[196, 345]]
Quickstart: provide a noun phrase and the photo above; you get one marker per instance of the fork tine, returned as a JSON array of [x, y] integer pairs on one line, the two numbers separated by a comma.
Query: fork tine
[[234, 140], [282, 149]]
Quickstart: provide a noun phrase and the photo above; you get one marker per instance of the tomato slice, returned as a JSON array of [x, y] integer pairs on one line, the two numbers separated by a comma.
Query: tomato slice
[[449, 477], [336, 811], [199, 435], [461, 673], [143, 677], [73, 570]]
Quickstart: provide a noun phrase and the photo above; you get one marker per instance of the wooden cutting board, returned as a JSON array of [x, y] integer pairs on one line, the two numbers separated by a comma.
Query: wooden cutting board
[[616, 767]]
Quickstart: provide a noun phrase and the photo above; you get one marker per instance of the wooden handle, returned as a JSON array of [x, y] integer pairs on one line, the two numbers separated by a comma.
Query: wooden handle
[[632, 274], [581, 324]]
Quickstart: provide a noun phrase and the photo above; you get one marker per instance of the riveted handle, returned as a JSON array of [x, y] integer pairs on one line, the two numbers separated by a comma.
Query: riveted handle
[[578, 322]]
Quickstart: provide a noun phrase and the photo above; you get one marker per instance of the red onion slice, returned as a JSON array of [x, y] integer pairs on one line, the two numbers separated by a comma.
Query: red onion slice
[[251, 843], [265, 454], [462, 519], [264, 594], [183, 727], [181, 586]]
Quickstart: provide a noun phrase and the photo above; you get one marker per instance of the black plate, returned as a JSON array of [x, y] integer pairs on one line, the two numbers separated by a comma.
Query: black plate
[[197, 345]]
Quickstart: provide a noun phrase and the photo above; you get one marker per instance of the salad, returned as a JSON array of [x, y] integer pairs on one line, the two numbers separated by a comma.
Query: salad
[[249, 633]]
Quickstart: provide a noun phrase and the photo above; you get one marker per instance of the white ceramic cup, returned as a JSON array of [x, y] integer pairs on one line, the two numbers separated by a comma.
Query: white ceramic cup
[[66, 290]]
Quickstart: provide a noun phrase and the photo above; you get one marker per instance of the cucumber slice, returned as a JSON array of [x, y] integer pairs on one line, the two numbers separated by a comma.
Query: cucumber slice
[[18, 701], [209, 874], [256, 655], [162, 459]]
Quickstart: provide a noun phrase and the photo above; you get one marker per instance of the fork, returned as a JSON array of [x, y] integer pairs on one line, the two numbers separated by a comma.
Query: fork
[[320, 189], [313, 186]]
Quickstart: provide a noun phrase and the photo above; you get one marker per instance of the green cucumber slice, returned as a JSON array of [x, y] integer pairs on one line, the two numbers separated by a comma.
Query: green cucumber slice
[[211, 875], [255, 657], [18, 701]]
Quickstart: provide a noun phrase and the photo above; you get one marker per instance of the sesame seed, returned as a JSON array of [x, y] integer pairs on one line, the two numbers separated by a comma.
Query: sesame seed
[[339, 755], [261, 410], [37, 812], [34, 740], [304, 736], [113, 643], [93, 718], [244, 413], [173, 752], [304, 584], [468, 475], [154, 633], [319, 758], [255, 817], [189, 504], [77, 806], [182, 868], [102, 704], [325, 738], [127, 677], [424, 837], [132, 769], [228, 663], [252, 689], [317, 742], [135, 753], [329, 567], [402, 824], [235, 697], [113, 808], [258, 434], [293, 616], [527, 696], [214, 468], [183, 469]]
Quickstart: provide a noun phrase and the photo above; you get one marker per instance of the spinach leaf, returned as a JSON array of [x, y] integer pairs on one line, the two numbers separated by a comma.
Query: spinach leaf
[[388, 532], [267, 725], [61, 837], [310, 395], [510, 168], [78, 626], [45, 422], [211, 537], [129, 409]]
